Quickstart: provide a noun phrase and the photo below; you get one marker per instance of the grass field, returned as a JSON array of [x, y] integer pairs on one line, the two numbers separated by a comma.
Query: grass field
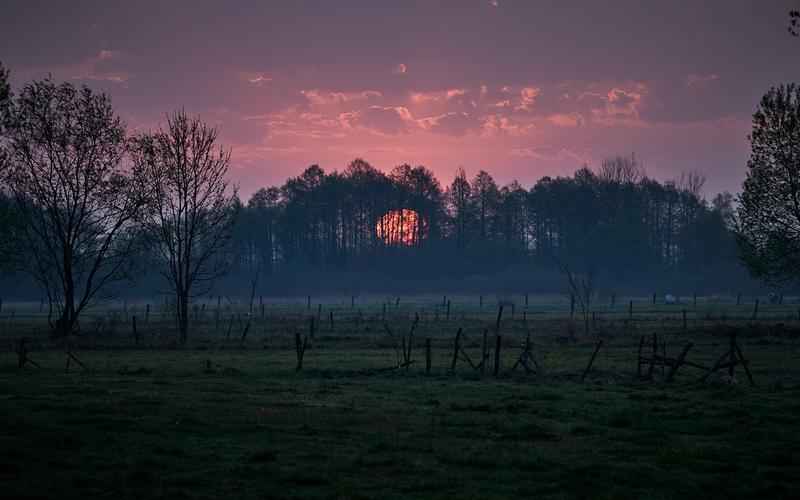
[[223, 417]]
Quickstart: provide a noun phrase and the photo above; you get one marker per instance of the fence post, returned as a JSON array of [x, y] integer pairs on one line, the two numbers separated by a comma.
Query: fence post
[[456, 348], [630, 310], [591, 360], [755, 311], [135, 332], [498, 340]]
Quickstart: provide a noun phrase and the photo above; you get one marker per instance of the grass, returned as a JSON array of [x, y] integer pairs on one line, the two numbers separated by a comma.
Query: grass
[[157, 423]]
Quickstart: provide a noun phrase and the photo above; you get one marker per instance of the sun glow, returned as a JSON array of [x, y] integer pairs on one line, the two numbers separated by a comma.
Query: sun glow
[[400, 227]]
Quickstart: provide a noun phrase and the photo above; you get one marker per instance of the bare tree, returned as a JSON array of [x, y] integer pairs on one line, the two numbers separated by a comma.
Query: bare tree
[[621, 170], [581, 286], [190, 219], [76, 201]]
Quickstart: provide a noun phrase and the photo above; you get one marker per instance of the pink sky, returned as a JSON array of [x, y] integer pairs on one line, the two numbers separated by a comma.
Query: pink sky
[[522, 89]]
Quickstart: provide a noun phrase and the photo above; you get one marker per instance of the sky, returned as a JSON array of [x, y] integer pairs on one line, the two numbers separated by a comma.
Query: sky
[[520, 88]]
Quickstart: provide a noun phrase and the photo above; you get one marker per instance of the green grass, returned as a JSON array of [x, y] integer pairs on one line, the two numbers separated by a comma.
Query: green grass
[[155, 423]]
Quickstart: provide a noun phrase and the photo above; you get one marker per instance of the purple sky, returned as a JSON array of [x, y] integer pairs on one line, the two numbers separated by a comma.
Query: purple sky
[[519, 88]]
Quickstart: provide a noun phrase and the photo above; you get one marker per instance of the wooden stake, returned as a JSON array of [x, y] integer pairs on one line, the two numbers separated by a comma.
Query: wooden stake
[[678, 362], [591, 360], [135, 332], [755, 311], [456, 349], [497, 343]]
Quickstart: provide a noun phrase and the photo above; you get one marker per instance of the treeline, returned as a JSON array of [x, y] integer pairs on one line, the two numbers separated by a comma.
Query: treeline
[[633, 231]]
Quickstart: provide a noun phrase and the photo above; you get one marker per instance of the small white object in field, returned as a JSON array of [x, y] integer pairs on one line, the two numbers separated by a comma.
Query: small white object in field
[[670, 299]]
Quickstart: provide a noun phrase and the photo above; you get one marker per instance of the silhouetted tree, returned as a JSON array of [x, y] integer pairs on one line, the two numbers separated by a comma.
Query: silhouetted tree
[[8, 221], [75, 201], [769, 212], [190, 218], [460, 208]]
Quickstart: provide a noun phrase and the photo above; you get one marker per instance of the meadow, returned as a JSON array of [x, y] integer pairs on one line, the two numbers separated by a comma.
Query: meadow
[[134, 415]]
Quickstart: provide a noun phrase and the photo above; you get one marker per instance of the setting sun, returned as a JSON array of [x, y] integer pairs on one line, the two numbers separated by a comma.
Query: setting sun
[[400, 227]]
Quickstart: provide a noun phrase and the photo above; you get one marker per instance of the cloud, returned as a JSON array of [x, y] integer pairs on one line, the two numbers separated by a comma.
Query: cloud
[[496, 125], [322, 98], [383, 120], [100, 67], [544, 153], [437, 95], [400, 69], [257, 79], [567, 119], [694, 80], [452, 123], [494, 3], [527, 98]]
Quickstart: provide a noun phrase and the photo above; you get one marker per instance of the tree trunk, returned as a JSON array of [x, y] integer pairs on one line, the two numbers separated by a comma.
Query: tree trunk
[[183, 316]]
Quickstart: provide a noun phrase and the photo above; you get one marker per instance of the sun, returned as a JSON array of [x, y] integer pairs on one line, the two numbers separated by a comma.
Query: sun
[[402, 227]]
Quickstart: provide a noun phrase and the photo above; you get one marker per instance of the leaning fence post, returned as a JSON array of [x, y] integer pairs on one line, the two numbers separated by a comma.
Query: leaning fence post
[[456, 348], [591, 360], [678, 362], [755, 311]]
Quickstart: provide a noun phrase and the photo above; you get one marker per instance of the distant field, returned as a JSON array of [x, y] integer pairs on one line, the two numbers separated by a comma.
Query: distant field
[[229, 417]]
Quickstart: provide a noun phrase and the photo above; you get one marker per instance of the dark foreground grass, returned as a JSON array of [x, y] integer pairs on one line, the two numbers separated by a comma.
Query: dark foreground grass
[[159, 424]]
